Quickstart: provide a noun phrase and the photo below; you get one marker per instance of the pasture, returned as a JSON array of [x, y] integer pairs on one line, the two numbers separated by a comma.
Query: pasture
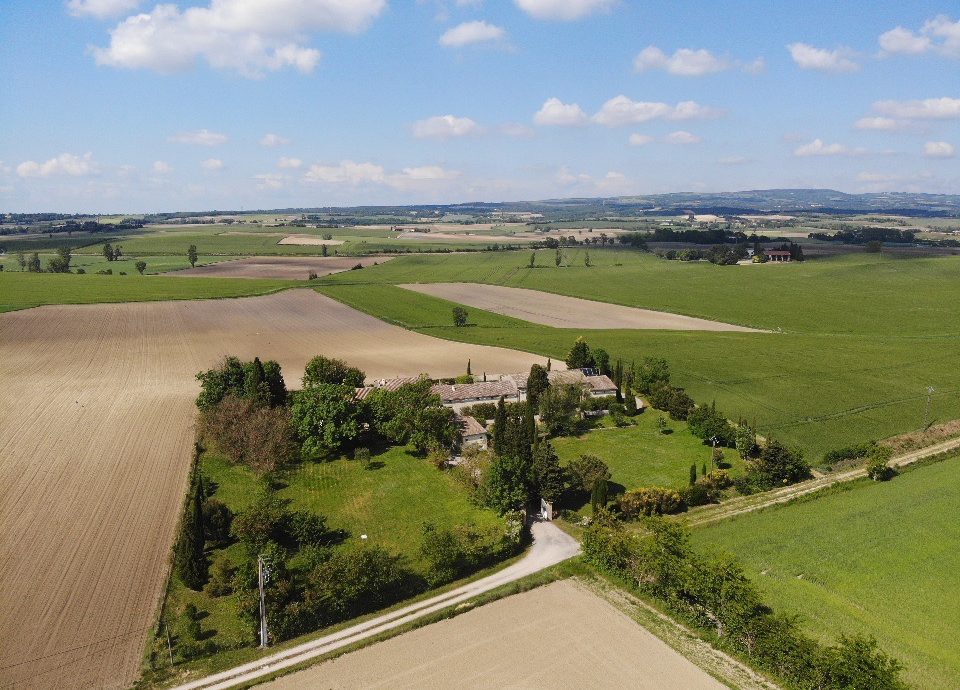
[[871, 558], [855, 346], [94, 458], [642, 456]]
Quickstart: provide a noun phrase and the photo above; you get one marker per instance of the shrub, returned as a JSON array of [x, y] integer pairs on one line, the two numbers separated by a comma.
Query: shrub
[[777, 466], [706, 424], [674, 401], [453, 552], [221, 578], [650, 500], [320, 370], [852, 452], [585, 471], [217, 518], [481, 411], [81, 271], [746, 442], [312, 275]]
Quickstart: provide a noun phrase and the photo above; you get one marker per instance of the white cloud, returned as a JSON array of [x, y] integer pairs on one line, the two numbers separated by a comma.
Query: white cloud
[[346, 172], [200, 137], [639, 139], [818, 148], [758, 66], [684, 62], [939, 149], [563, 10], [621, 110], [445, 127], [101, 9], [567, 178], [878, 123], [927, 109], [273, 140], [555, 112], [682, 137], [212, 165], [822, 60], [420, 178], [733, 160], [940, 35], [285, 162], [468, 33], [162, 167], [250, 37], [269, 181], [64, 164]]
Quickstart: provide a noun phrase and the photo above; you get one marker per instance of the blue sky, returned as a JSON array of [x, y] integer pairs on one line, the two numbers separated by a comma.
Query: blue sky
[[119, 105]]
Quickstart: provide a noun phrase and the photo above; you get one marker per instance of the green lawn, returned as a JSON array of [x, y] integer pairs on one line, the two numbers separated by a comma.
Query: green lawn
[[641, 456], [860, 343], [879, 559], [25, 290]]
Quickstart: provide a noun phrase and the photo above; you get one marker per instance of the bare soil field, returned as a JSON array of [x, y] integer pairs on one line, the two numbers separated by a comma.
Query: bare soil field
[[283, 267], [464, 237], [564, 312], [308, 240], [96, 412], [556, 636]]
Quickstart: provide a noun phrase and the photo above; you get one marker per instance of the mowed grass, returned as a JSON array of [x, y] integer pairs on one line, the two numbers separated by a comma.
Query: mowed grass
[[873, 558], [641, 456], [26, 290], [860, 342]]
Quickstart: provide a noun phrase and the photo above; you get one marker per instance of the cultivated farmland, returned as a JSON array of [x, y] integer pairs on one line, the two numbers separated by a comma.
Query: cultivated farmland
[[541, 638], [561, 311], [875, 558], [280, 267], [97, 409]]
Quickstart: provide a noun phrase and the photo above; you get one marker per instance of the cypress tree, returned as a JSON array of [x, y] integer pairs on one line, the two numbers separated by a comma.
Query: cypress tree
[[499, 427], [469, 373], [549, 363], [693, 474], [190, 561], [703, 470], [598, 497], [531, 424]]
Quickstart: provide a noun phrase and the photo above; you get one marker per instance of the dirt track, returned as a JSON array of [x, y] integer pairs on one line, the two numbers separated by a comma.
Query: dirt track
[[96, 410], [557, 636], [283, 267], [565, 312]]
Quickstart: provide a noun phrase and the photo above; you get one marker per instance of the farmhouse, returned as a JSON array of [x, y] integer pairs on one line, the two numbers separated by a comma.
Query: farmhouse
[[778, 255], [459, 395], [598, 384], [472, 432]]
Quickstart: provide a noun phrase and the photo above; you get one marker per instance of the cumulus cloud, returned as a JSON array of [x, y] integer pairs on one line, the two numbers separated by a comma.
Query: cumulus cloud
[[818, 148], [468, 33], [563, 10], [621, 110], [835, 61], [285, 162], [250, 37], [212, 165], [682, 137], [199, 137], [101, 9], [940, 35], [639, 139], [684, 62], [758, 66], [555, 112], [161, 167], [420, 178], [516, 130], [273, 140], [878, 123], [269, 181], [64, 164], [926, 109], [939, 149], [346, 172], [445, 127]]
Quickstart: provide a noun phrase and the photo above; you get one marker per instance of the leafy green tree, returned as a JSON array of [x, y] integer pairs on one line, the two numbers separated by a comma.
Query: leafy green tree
[[189, 559], [580, 356], [549, 478], [533, 259], [141, 266], [706, 424], [601, 360], [778, 466], [261, 382], [192, 255], [411, 414], [507, 484], [217, 518], [598, 495], [693, 474], [673, 400], [585, 470], [558, 406], [586, 259], [320, 370], [459, 316], [558, 259], [61, 262], [255, 386], [33, 263], [855, 663], [108, 252], [653, 373], [630, 404], [537, 382], [435, 427], [326, 418], [21, 261]]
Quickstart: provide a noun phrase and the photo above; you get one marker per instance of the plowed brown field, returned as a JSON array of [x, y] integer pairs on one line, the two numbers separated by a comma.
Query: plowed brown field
[[95, 431], [284, 267]]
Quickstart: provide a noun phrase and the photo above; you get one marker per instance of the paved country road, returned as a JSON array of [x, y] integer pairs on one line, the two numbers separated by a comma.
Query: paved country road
[[550, 546]]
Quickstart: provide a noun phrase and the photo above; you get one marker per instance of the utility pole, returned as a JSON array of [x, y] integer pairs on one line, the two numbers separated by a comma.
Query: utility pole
[[263, 576]]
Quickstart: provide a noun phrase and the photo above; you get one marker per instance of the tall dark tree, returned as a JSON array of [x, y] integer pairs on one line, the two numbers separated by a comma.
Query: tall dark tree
[[601, 360], [537, 382], [190, 561], [499, 427], [580, 356], [693, 474], [192, 255], [598, 495], [549, 478], [108, 252]]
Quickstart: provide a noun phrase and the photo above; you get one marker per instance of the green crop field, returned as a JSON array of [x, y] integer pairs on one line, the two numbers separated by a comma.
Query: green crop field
[[856, 339], [875, 558], [25, 290], [641, 456], [96, 262]]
